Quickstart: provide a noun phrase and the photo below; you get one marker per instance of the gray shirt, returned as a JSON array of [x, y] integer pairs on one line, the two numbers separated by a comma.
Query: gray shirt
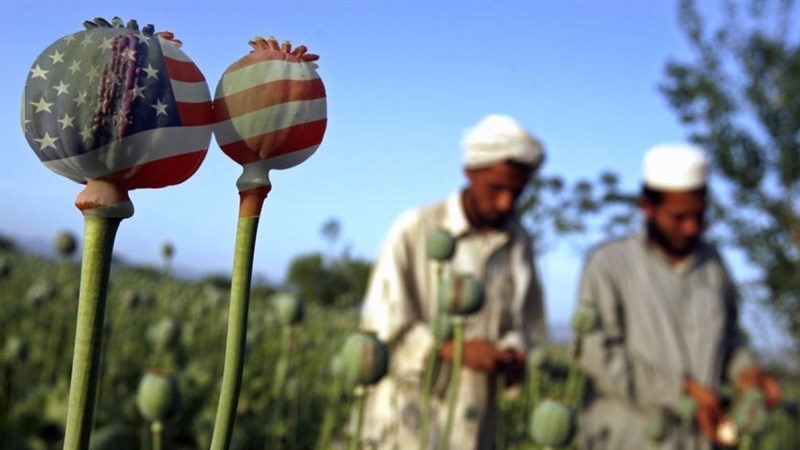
[[659, 323]]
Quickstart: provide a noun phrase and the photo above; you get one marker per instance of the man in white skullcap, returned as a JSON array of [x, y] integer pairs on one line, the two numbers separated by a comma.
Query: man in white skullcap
[[668, 334], [401, 300]]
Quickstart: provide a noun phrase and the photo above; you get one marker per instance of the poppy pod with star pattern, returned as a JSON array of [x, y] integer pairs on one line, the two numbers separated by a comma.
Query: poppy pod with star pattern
[[117, 108]]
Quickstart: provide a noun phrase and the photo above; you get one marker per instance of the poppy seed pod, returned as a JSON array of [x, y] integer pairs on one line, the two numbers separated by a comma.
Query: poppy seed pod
[[117, 108], [271, 110], [460, 294], [750, 413], [364, 358], [443, 327], [158, 396], [584, 319], [66, 244], [288, 308], [551, 424], [440, 245]]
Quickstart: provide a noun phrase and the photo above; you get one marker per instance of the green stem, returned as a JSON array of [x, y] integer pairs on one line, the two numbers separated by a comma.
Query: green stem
[[237, 331], [427, 387], [157, 434], [99, 234], [278, 395], [452, 391], [359, 399]]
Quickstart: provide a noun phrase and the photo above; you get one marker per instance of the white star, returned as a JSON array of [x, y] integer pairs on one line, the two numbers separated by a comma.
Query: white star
[[66, 121], [61, 88], [144, 38], [94, 72], [160, 108], [38, 72], [56, 57], [46, 141], [151, 71], [138, 91], [76, 66], [80, 99], [129, 54], [41, 105], [106, 44], [86, 134], [69, 38], [87, 40]]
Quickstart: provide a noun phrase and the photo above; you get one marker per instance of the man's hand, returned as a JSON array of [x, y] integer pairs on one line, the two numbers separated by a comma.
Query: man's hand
[[483, 356], [754, 378], [709, 411]]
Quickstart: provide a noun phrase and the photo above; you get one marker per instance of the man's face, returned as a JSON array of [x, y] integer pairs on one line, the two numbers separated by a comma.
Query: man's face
[[493, 191], [676, 224]]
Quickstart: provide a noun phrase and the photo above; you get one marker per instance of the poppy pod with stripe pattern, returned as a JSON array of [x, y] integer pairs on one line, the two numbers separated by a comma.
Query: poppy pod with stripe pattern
[[270, 110], [117, 108]]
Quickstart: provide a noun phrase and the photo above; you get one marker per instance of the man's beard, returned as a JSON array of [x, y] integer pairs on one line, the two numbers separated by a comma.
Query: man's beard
[[656, 235]]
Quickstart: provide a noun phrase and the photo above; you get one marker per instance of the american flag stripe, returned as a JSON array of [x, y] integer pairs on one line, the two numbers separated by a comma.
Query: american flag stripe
[[166, 171], [140, 148], [268, 94], [183, 71], [262, 72], [281, 162], [264, 120], [304, 137]]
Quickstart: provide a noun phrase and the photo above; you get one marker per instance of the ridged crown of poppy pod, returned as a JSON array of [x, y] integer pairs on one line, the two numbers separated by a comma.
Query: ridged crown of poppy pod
[[271, 110], [117, 107]]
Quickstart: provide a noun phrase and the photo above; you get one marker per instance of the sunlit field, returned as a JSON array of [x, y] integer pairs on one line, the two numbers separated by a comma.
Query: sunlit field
[[292, 396]]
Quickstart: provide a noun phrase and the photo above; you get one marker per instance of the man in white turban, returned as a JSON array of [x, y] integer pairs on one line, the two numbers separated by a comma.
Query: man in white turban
[[668, 333], [401, 300]]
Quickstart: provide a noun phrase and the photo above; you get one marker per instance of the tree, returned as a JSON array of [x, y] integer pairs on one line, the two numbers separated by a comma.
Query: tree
[[740, 99]]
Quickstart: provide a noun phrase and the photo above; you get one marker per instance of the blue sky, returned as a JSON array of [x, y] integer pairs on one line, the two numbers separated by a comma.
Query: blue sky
[[404, 79]]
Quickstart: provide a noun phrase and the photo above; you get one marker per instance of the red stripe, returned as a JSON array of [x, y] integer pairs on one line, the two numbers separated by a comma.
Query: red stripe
[[185, 71], [280, 142], [266, 95], [256, 57], [195, 114], [155, 174]]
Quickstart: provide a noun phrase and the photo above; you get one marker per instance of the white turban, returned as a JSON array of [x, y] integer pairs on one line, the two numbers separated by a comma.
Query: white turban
[[497, 139], [675, 167]]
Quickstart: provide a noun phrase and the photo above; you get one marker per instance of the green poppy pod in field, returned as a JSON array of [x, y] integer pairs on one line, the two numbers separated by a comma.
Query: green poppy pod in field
[[750, 413], [584, 319], [288, 308], [364, 358], [66, 244], [552, 423], [460, 294], [443, 327], [440, 245], [158, 396], [537, 357], [165, 334]]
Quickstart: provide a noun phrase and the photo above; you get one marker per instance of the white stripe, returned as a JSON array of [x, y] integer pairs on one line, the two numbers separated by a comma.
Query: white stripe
[[133, 150], [191, 92], [264, 72], [270, 119], [256, 173], [172, 50]]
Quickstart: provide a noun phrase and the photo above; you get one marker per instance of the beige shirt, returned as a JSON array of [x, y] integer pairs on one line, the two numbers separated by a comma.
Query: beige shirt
[[658, 323], [401, 306]]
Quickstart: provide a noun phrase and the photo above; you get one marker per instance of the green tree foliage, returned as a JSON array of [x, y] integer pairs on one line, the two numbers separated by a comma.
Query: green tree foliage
[[740, 99], [340, 281]]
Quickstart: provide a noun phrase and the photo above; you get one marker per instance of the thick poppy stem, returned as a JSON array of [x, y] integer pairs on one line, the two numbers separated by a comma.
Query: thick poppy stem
[[99, 235], [244, 250], [452, 392]]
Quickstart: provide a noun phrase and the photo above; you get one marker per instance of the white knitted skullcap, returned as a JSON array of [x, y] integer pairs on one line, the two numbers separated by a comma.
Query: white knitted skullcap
[[497, 139], [675, 167]]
